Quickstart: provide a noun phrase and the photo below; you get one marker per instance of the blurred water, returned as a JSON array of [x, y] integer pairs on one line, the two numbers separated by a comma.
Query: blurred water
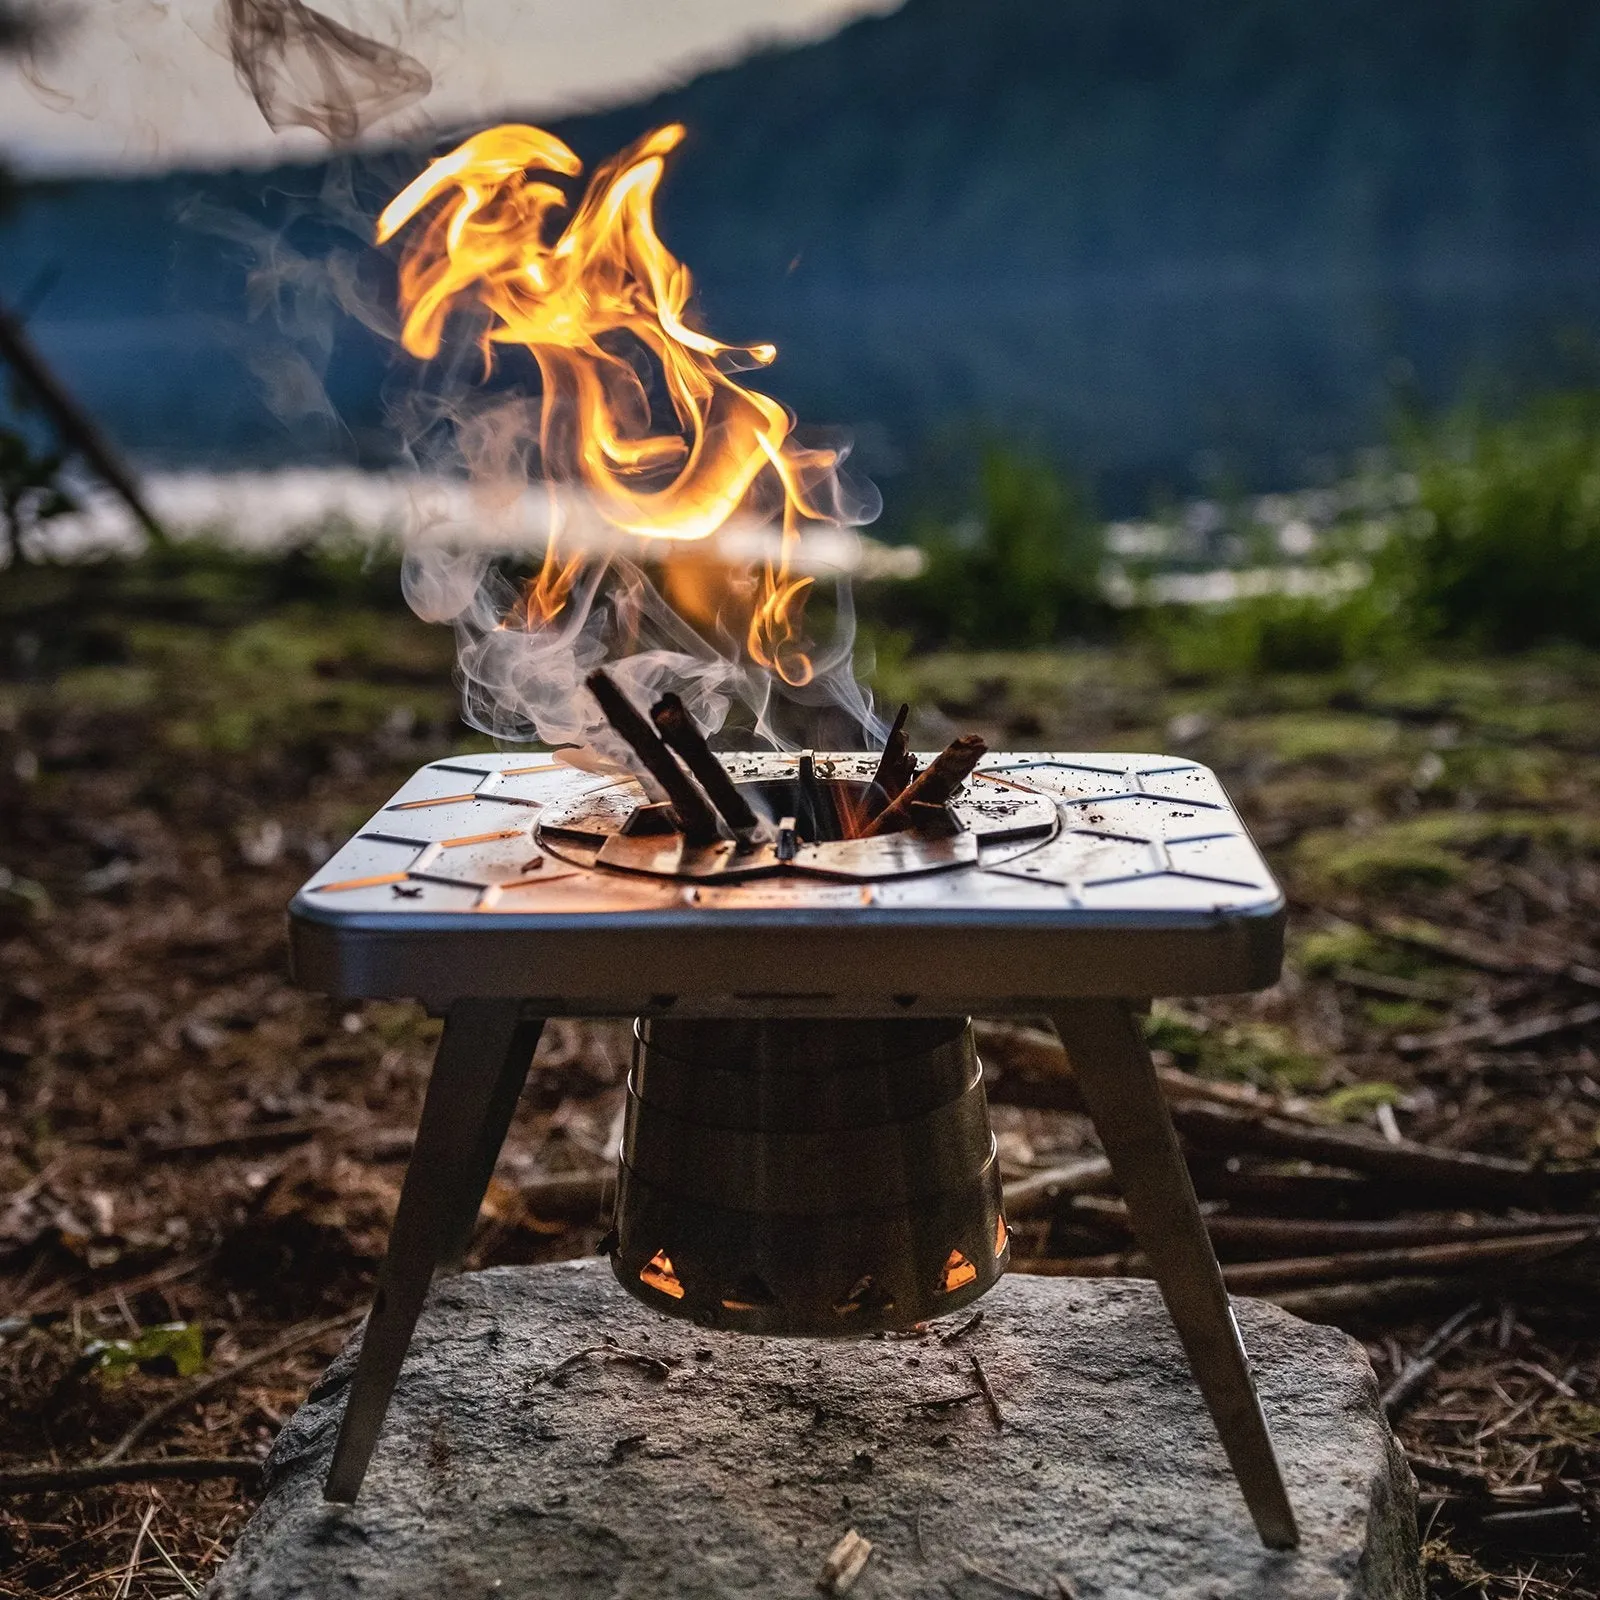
[[1138, 388]]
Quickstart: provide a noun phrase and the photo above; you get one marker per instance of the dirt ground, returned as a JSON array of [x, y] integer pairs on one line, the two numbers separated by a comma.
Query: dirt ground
[[198, 1161]]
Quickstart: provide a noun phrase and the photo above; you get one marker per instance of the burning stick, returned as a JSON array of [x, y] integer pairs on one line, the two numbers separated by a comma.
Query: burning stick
[[897, 765], [815, 812], [677, 727], [946, 773], [695, 817]]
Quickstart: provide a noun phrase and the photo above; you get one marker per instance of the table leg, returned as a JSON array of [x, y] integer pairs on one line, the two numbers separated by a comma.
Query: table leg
[[463, 1213], [1117, 1078], [481, 1062]]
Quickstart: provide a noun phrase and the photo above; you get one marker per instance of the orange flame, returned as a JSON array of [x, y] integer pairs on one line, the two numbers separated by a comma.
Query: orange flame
[[583, 299]]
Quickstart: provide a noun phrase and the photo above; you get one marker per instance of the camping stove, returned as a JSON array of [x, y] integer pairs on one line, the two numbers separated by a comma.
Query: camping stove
[[806, 1146]]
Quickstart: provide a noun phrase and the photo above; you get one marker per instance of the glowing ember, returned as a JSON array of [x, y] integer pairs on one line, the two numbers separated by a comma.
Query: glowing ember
[[958, 1272], [657, 1273], [601, 305]]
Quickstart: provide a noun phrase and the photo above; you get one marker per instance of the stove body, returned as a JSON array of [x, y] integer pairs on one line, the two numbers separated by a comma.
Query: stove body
[[807, 1147]]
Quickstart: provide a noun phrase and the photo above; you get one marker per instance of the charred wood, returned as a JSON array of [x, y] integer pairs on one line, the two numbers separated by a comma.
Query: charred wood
[[935, 786], [678, 729], [896, 766], [695, 816]]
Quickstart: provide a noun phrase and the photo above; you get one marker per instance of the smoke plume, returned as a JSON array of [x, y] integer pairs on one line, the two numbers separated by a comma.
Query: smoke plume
[[306, 70]]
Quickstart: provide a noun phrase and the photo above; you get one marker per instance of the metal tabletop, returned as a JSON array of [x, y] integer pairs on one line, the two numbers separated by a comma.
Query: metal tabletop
[[1128, 876]]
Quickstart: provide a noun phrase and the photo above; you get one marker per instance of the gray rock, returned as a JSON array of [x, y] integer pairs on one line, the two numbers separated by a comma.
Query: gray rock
[[528, 1455]]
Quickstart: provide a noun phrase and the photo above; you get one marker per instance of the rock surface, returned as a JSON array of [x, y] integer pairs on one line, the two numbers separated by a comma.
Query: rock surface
[[550, 1437]]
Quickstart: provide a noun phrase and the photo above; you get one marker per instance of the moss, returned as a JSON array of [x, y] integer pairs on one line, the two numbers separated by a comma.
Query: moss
[[1317, 737], [108, 688], [1401, 1016], [1324, 952], [1437, 850], [1386, 862], [1253, 1052], [1355, 1100]]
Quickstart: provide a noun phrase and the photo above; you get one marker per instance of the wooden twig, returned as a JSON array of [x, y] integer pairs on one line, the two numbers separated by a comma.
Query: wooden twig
[[1269, 1237], [198, 1390], [1480, 953], [1028, 1067], [1297, 1190], [1007, 1585], [154, 1469], [1394, 988], [567, 1196], [948, 1402], [133, 1560], [1415, 1372], [1039, 1192], [846, 1562], [1351, 1266], [1346, 1303], [1251, 1277], [696, 819], [989, 1400], [52, 1300], [678, 729], [896, 766], [1226, 1118], [1542, 1027], [1484, 1178], [811, 809], [971, 1325], [1500, 1035], [934, 787]]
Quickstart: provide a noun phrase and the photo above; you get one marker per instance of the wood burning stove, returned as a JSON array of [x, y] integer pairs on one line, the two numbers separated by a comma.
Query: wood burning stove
[[807, 1177], [807, 1148]]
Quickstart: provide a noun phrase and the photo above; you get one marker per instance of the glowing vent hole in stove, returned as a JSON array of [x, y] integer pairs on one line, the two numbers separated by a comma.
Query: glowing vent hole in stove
[[821, 1178]]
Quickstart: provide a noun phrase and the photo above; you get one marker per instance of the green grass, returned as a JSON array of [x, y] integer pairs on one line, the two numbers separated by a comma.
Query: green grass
[[1504, 552]]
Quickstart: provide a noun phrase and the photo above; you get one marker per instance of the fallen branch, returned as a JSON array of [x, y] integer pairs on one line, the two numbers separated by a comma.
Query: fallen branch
[[48, 1302], [1221, 1117], [1345, 1303], [1479, 953], [306, 1333], [1500, 1035], [1383, 983], [1026, 1066], [1252, 1277], [1495, 1179], [184, 1469], [1264, 1277], [1295, 1188], [1037, 1194], [1271, 1237], [567, 1196]]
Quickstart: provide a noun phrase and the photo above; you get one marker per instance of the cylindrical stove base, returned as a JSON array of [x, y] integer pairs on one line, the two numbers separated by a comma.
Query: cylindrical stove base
[[829, 1179]]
